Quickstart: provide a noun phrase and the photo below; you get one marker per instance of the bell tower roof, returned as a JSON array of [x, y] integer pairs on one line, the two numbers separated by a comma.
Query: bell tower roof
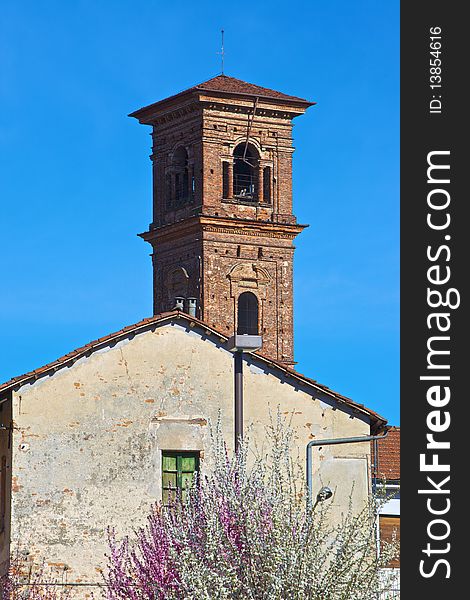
[[224, 86]]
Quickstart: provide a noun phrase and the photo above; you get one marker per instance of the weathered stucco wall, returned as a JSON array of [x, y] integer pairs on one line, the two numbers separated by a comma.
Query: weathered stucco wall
[[87, 440]]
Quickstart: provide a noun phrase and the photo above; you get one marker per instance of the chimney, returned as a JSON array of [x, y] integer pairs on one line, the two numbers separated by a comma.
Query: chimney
[[179, 303], [192, 306]]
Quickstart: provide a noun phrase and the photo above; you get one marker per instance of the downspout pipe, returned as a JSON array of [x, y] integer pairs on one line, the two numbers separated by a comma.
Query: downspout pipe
[[238, 358], [332, 442]]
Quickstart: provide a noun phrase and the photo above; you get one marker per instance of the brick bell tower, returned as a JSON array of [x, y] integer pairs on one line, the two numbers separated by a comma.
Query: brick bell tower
[[223, 228]]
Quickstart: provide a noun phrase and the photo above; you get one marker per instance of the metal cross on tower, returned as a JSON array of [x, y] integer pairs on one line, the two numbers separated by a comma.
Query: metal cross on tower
[[222, 51]]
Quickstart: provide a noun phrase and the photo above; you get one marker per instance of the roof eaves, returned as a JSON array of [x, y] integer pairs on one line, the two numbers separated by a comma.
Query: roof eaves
[[150, 108], [71, 357], [17, 382]]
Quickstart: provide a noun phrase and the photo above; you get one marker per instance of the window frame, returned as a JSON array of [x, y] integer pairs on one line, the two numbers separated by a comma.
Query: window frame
[[267, 184], [248, 316], [179, 455], [245, 173]]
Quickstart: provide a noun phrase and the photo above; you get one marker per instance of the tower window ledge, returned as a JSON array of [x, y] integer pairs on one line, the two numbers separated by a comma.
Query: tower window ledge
[[246, 202]]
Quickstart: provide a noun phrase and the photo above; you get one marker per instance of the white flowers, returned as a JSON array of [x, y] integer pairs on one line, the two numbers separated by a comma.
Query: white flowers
[[247, 533]]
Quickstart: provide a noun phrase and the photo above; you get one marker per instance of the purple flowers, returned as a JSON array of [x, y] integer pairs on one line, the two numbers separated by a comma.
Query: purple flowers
[[28, 582], [246, 532], [144, 570]]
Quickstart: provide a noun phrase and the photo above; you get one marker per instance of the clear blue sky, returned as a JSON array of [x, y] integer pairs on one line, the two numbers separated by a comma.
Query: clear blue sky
[[75, 178]]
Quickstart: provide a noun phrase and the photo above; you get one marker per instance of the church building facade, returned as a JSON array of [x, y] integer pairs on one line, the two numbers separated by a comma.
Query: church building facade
[[93, 439]]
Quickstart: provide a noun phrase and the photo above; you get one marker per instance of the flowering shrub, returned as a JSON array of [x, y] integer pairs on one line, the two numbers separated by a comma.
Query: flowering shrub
[[248, 533], [27, 582]]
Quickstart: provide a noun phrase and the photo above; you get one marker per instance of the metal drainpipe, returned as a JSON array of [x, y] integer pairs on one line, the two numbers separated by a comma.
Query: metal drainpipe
[[200, 289], [376, 465], [238, 358], [332, 442]]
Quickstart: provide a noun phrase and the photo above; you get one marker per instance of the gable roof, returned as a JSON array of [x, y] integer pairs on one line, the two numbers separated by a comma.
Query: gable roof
[[223, 84], [388, 456], [377, 422]]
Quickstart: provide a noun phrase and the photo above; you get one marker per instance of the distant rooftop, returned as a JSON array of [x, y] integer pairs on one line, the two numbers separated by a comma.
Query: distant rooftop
[[388, 456]]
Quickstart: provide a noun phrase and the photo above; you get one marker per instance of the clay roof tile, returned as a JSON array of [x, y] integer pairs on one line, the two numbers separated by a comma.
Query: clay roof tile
[[224, 83]]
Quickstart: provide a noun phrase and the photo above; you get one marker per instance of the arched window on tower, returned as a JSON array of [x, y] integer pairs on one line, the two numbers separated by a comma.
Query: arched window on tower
[[181, 173], [168, 191], [248, 311], [177, 287], [246, 172]]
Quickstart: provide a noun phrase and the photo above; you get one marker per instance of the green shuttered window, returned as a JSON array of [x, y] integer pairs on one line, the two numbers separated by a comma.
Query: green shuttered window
[[178, 469]]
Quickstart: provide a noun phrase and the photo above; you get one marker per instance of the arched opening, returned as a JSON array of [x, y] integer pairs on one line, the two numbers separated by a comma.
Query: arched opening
[[168, 191], [177, 284], [181, 172], [245, 172], [248, 312]]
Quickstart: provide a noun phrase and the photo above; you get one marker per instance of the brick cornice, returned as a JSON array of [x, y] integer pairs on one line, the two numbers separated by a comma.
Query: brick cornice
[[230, 226], [222, 91]]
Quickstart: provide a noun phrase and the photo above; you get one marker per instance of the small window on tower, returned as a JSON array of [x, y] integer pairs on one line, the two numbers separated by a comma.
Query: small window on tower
[[267, 184], [178, 187], [247, 314], [181, 168], [168, 189]]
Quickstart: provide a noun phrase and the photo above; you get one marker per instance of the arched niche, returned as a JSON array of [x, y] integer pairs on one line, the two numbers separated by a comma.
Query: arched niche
[[247, 314]]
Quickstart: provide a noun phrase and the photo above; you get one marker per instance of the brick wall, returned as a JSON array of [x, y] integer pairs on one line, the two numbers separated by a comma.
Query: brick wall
[[213, 247]]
